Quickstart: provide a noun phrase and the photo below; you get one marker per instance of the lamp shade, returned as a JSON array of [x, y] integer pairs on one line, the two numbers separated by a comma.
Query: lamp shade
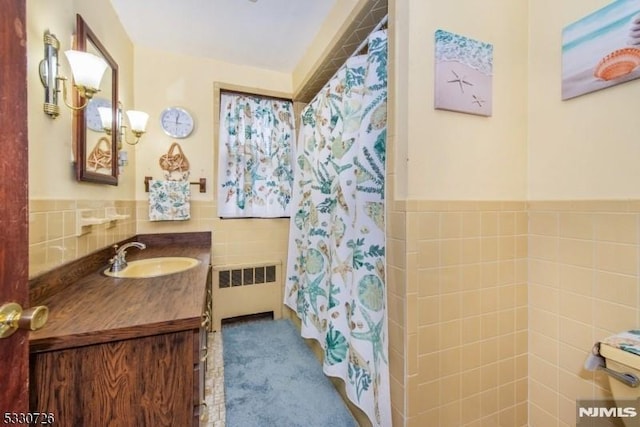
[[87, 68], [138, 120], [106, 116]]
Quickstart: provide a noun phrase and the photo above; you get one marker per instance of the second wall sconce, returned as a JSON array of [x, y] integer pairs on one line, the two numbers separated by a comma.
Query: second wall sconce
[[87, 70], [137, 121]]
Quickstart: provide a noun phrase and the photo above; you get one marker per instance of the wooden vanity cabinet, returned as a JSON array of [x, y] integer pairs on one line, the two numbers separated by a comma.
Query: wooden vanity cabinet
[[147, 381], [123, 352]]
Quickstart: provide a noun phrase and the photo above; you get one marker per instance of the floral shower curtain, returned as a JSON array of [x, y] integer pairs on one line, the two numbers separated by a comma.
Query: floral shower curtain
[[255, 173], [336, 266]]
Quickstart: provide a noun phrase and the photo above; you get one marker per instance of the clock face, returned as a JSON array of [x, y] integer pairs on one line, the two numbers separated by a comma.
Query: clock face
[[92, 117], [176, 122]]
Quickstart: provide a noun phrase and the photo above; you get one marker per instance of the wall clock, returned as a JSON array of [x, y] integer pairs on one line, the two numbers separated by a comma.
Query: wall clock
[[92, 116], [176, 122]]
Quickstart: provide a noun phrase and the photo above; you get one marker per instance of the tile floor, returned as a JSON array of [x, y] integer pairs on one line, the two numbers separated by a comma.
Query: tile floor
[[214, 383]]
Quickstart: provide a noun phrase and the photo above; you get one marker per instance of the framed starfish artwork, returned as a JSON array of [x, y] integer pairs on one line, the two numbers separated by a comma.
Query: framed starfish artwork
[[463, 74]]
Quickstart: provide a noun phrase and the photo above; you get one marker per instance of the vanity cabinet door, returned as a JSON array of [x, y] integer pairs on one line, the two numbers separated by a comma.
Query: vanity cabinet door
[[136, 382]]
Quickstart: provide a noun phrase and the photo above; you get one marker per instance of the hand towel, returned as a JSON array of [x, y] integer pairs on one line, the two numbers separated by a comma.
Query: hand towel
[[628, 341], [169, 200]]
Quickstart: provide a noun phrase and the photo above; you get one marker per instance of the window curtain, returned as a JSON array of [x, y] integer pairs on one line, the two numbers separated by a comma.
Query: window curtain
[[336, 262], [255, 173]]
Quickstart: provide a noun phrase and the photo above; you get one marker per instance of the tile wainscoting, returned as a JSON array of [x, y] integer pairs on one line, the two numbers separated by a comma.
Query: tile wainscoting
[[493, 306], [53, 230], [583, 286], [53, 240], [458, 311]]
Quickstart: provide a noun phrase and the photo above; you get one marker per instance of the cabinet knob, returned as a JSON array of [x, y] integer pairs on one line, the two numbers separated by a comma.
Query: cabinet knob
[[13, 317]]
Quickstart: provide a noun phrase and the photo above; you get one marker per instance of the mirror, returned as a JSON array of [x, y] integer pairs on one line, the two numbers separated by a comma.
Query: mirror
[[96, 150]]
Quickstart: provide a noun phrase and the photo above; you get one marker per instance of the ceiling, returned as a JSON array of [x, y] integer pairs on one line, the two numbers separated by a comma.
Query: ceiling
[[269, 34]]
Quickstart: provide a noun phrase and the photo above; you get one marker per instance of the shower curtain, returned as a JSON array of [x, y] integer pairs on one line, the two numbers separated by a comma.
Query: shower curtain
[[336, 266]]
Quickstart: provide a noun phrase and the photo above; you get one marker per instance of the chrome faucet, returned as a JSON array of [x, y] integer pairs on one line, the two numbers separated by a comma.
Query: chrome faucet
[[118, 262]]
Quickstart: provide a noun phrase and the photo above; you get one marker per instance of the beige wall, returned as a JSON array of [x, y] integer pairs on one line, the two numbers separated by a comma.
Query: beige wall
[[466, 313], [583, 287], [50, 141], [54, 236], [452, 156], [583, 252], [190, 82], [582, 256], [56, 199], [459, 250], [457, 226], [582, 148]]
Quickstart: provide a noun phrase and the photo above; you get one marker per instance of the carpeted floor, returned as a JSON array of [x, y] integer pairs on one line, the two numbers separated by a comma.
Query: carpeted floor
[[272, 378]]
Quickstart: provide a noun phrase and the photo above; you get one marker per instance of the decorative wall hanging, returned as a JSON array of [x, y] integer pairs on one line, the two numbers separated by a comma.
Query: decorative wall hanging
[[463, 74], [175, 163], [601, 50], [100, 156]]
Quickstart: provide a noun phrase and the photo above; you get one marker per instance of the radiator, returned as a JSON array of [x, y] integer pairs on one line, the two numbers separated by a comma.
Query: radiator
[[244, 289]]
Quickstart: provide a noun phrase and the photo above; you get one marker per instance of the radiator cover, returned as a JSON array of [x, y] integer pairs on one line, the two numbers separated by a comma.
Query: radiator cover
[[244, 289]]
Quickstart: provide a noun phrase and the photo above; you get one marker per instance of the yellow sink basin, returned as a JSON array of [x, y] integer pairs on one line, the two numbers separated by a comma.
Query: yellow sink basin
[[154, 267]]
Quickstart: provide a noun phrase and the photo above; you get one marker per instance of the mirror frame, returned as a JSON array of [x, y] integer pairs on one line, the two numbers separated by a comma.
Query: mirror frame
[[85, 35]]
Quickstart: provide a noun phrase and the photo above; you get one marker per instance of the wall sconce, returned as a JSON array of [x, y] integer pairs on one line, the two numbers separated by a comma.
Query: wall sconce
[[137, 121], [87, 70]]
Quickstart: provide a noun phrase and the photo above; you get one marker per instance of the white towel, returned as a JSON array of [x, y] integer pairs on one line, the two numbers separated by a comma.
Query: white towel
[[169, 200]]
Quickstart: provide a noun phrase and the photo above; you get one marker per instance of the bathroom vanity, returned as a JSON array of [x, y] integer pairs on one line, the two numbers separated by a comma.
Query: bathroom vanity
[[124, 351]]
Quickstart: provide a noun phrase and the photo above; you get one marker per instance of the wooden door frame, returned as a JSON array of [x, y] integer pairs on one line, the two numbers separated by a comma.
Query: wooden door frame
[[14, 237]]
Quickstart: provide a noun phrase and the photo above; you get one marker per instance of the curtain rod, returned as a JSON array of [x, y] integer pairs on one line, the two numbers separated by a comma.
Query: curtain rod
[[364, 43], [379, 25], [239, 92]]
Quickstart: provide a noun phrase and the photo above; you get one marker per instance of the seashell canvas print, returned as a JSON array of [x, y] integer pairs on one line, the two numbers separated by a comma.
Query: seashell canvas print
[[602, 49], [463, 74]]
